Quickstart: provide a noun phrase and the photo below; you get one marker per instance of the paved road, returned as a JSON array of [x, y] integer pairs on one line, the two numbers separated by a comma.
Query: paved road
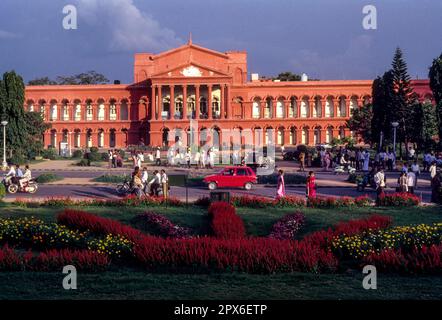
[[108, 191]]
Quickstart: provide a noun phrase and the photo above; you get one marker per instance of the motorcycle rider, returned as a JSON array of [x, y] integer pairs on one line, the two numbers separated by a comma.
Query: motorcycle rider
[[10, 175], [25, 178]]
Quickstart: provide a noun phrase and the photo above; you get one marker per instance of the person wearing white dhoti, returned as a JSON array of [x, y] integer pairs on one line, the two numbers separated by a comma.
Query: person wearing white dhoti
[[366, 156]]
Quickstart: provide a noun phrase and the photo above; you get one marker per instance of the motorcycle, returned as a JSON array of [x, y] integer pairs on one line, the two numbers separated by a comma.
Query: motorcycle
[[367, 180], [13, 186], [342, 169]]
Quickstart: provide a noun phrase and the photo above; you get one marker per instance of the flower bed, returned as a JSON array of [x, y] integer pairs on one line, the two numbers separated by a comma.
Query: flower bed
[[99, 202], [225, 223], [399, 199], [160, 225], [374, 241], [287, 227], [426, 259], [52, 260]]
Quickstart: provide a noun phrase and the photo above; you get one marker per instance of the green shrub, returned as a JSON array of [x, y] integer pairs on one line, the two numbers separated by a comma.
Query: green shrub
[[93, 156], [17, 158], [2, 191], [84, 163], [109, 178], [355, 178], [104, 156], [50, 153], [48, 177], [77, 154], [94, 150]]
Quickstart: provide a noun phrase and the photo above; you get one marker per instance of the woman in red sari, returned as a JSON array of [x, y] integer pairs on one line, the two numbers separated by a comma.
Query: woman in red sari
[[311, 185]]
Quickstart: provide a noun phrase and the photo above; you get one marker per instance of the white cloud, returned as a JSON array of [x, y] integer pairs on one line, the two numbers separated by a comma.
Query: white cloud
[[8, 35], [129, 28]]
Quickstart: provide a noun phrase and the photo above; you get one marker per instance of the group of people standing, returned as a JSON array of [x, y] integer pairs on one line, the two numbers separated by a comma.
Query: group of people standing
[[159, 182], [201, 159], [115, 159], [310, 187]]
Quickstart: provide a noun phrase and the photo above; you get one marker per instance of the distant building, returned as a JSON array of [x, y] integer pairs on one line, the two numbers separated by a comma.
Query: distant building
[[192, 82]]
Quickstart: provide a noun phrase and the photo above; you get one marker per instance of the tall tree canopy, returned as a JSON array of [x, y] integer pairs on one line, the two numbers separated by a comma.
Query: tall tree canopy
[[360, 122], [24, 131], [435, 76], [288, 76], [90, 77]]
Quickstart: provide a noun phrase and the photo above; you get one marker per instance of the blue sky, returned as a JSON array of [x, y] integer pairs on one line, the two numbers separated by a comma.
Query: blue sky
[[323, 38]]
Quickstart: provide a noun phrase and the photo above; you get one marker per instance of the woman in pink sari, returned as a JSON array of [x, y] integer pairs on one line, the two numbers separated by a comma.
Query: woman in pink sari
[[311, 185], [280, 191]]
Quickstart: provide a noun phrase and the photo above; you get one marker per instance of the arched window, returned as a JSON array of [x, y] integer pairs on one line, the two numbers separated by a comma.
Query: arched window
[[304, 138], [124, 111], [77, 112], [112, 138], [65, 112], [329, 107], [256, 108], [293, 110], [268, 108], [317, 136], [100, 138], [293, 136], [43, 111], [191, 107], [329, 135], [101, 112], [112, 111], [77, 136], [342, 107], [317, 108], [304, 108], [89, 112], [353, 103], [280, 108], [280, 136], [54, 112]]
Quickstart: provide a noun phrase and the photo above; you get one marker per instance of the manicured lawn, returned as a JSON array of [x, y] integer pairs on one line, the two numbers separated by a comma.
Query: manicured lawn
[[135, 284]]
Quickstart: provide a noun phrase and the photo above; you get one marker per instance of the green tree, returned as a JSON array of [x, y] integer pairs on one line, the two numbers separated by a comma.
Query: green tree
[[401, 110], [360, 122], [383, 110], [45, 81], [90, 77], [435, 75], [423, 126], [22, 127], [288, 76]]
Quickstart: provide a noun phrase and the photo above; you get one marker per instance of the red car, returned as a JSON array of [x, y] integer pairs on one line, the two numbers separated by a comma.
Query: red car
[[232, 177]]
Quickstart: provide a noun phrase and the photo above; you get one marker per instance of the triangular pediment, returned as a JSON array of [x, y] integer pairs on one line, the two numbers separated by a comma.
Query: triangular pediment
[[190, 70]]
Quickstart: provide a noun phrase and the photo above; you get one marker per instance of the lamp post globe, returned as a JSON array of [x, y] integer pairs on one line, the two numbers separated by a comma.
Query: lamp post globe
[[394, 124], [4, 163]]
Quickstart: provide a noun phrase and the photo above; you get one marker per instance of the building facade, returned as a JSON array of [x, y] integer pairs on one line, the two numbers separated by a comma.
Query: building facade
[[193, 84]]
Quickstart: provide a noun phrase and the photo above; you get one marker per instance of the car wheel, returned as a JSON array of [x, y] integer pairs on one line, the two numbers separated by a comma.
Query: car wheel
[[248, 186], [212, 186], [12, 188]]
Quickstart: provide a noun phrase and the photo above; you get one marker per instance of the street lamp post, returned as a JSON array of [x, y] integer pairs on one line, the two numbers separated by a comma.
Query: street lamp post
[[4, 164], [394, 125]]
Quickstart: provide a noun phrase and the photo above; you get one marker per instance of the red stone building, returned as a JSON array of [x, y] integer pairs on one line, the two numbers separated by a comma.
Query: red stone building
[[192, 82]]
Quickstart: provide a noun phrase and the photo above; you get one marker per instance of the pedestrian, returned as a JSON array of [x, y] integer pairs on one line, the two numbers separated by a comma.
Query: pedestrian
[[417, 171], [436, 189], [140, 158], [110, 158], [197, 158], [411, 154], [402, 183], [158, 156], [301, 161], [311, 185], [280, 190], [145, 180], [379, 179], [211, 159], [187, 158], [389, 157], [134, 159], [155, 183], [164, 183], [433, 169], [366, 156], [411, 181], [327, 159], [136, 182]]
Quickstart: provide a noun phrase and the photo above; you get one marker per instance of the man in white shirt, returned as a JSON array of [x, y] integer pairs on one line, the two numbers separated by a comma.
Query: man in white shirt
[[26, 177], [433, 169], [158, 157], [379, 179], [164, 180], [11, 174], [411, 153], [411, 181], [197, 158], [416, 170], [155, 183], [144, 179]]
